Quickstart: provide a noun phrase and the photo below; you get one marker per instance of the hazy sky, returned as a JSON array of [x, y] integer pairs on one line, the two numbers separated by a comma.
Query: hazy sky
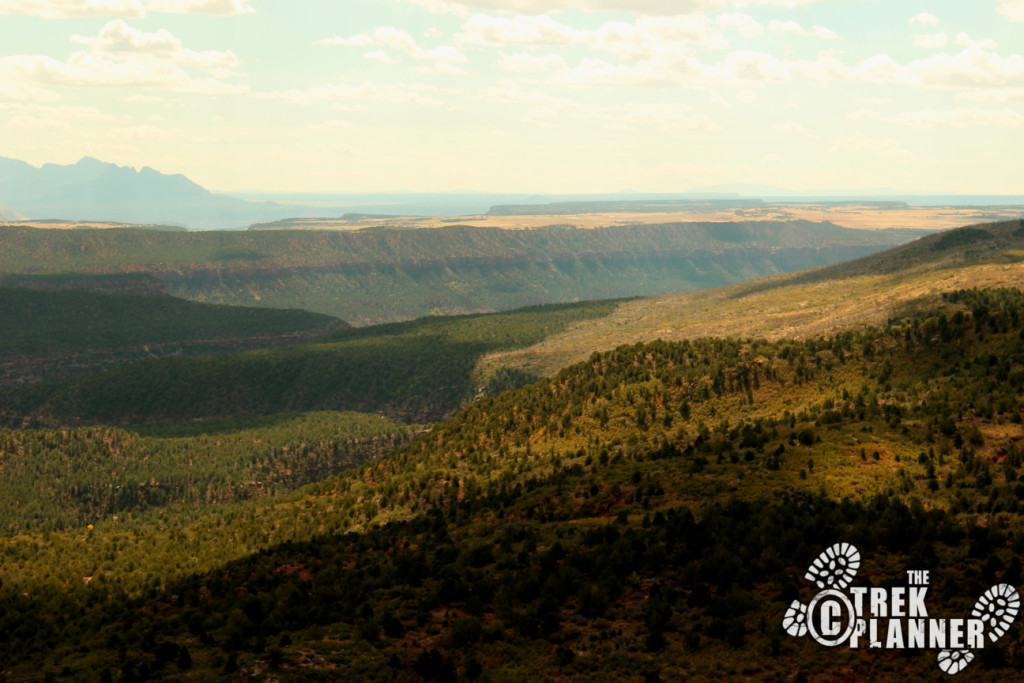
[[523, 95]]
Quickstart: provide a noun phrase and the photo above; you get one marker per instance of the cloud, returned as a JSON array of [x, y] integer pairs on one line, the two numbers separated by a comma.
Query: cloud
[[1012, 9], [124, 42], [399, 40], [35, 116], [933, 41], [992, 95], [69, 9], [122, 56], [648, 39], [784, 27], [544, 109], [924, 19], [963, 40], [953, 118], [333, 124], [483, 29], [380, 56], [794, 128], [884, 149], [525, 62], [744, 24], [397, 93], [970, 67], [640, 7], [221, 8], [130, 9]]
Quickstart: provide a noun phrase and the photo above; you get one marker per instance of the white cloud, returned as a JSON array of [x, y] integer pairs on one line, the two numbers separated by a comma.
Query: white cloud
[[992, 95], [784, 27], [963, 40], [543, 109], [924, 19], [396, 39], [642, 7], [932, 41], [131, 9], [359, 40], [524, 62], [794, 128], [35, 116], [117, 36], [446, 68], [664, 116], [1012, 9], [744, 24], [652, 39], [483, 29], [953, 118], [222, 8], [124, 56], [333, 124], [380, 56], [969, 67], [397, 93], [884, 149], [67, 9]]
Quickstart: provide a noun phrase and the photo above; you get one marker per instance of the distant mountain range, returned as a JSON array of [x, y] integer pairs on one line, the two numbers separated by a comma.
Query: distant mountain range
[[95, 190]]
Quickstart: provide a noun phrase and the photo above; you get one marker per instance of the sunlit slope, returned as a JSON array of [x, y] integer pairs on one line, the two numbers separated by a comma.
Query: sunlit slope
[[865, 291]]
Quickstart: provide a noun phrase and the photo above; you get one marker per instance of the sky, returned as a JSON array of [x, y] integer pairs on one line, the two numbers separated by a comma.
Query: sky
[[553, 96]]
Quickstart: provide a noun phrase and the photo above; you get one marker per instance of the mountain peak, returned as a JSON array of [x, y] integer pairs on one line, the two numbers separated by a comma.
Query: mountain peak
[[98, 190]]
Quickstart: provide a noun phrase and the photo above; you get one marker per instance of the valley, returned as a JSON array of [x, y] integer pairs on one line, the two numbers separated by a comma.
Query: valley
[[503, 341], [374, 276], [610, 490]]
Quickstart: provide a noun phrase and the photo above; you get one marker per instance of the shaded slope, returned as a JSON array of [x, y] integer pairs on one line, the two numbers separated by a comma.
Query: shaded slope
[[417, 371], [58, 329]]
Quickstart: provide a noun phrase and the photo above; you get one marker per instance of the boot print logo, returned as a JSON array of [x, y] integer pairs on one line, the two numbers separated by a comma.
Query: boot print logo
[[894, 618]]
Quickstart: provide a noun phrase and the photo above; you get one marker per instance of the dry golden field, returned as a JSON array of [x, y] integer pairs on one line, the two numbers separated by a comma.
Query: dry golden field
[[866, 216]]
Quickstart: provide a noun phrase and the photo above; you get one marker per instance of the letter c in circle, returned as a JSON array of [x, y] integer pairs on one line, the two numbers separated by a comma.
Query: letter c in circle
[[822, 617]]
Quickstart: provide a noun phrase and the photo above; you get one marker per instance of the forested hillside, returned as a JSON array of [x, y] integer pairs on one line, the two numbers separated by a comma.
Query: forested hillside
[[57, 327], [418, 371], [821, 301], [644, 515], [373, 276]]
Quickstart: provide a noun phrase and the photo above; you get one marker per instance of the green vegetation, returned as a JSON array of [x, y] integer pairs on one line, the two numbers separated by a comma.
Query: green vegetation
[[375, 276], [56, 329], [643, 515], [68, 478], [37, 322], [814, 303], [419, 371]]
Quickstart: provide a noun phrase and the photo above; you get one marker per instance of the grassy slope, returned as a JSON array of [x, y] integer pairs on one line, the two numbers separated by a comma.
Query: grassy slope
[[647, 510], [374, 276], [866, 291]]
